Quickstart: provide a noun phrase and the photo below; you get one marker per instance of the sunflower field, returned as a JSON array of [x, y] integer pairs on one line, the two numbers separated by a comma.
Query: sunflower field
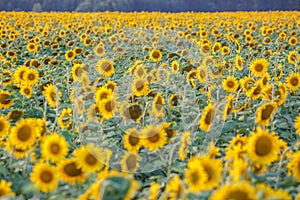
[[150, 105]]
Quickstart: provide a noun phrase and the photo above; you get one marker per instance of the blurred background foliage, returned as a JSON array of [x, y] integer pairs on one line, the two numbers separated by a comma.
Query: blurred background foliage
[[148, 5]]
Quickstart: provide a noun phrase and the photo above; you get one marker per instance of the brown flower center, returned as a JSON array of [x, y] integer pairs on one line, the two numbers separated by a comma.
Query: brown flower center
[[24, 133], [237, 195], [46, 176], [54, 148], [294, 81], [259, 67], [263, 146], [131, 162], [266, 112], [90, 159], [71, 170]]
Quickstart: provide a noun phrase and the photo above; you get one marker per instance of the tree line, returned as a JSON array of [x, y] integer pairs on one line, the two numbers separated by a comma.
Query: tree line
[[148, 5]]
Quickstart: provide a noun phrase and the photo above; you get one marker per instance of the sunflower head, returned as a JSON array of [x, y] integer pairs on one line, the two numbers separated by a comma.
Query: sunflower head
[[259, 67]]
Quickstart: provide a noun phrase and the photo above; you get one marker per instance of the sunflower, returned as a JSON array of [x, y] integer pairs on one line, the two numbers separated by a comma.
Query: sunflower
[[69, 171], [292, 57], [293, 81], [111, 85], [175, 66], [54, 147], [65, 118], [174, 100], [5, 102], [87, 41], [102, 93], [263, 147], [175, 188], [108, 107], [235, 191], [14, 115], [23, 134], [207, 118], [132, 140], [195, 176], [239, 62], [154, 191], [131, 112], [154, 137], [52, 94], [255, 92], [139, 87], [31, 47], [293, 41], [31, 76], [70, 55], [5, 189], [18, 153], [7, 78], [230, 84], [225, 50], [216, 47], [88, 158], [202, 75], [268, 192], [99, 50], [294, 165], [228, 107], [105, 67], [44, 176], [184, 145], [157, 105], [4, 126], [264, 113], [77, 71], [155, 55], [170, 132], [130, 162], [259, 67], [140, 71], [296, 124], [26, 90]]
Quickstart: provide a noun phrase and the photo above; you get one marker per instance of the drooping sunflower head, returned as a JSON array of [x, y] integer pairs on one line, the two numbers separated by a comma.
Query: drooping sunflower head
[[207, 118], [264, 113], [52, 94]]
